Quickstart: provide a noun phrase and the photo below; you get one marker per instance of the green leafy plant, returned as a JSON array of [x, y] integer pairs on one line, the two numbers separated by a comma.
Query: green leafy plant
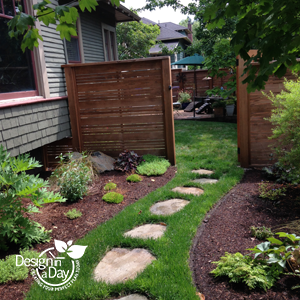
[[261, 233], [239, 268], [285, 119], [16, 184], [73, 214], [153, 165], [267, 191], [127, 161], [113, 197], [73, 176], [134, 178], [110, 186], [185, 96], [9, 271]]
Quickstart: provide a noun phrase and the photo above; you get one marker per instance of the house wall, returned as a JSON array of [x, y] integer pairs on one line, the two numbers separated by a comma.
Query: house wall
[[27, 127]]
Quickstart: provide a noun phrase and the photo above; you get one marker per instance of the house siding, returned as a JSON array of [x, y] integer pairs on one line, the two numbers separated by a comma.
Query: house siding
[[27, 127], [92, 39], [55, 56]]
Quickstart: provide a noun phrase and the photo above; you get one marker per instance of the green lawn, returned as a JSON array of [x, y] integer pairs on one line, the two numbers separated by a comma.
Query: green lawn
[[198, 145]]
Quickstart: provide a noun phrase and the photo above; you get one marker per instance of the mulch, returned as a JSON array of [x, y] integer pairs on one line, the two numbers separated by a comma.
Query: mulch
[[94, 212], [226, 228]]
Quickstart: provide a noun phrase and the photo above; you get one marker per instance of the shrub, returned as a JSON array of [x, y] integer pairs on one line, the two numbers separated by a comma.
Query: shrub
[[153, 165], [261, 233], [73, 176], [73, 214], [267, 191], [15, 184], [113, 197], [127, 161], [110, 186], [286, 121], [134, 178], [239, 268], [10, 272], [185, 96]]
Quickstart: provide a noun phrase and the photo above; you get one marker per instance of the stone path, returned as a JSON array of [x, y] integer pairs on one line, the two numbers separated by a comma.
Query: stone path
[[188, 190], [168, 207], [148, 231], [120, 265], [133, 297]]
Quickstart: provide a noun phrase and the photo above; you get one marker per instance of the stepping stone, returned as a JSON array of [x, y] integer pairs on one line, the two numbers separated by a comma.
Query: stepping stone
[[203, 172], [168, 207], [188, 190], [147, 231], [133, 297], [120, 265], [205, 180]]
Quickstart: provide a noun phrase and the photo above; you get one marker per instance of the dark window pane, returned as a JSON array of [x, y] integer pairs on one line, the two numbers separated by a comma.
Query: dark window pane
[[8, 7], [73, 50], [16, 73]]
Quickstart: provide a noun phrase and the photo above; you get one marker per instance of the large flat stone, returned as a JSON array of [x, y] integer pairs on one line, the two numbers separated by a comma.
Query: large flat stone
[[102, 162], [168, 207], [188, 190], [133, 297], [147, 231], [203, 172], [120, 265], [205, 180]]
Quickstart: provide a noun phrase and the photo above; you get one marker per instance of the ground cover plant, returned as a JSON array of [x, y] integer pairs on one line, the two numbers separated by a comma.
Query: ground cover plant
[[134, 178], [113, 197], [198, 145], [153, 165], [110, 186], [73, 214]]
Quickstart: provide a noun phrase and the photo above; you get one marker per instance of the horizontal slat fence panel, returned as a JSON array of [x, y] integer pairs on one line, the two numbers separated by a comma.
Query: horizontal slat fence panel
[[120, 105]]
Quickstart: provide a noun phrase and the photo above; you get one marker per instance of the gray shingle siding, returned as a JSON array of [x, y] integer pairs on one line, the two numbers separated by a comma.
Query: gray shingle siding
[[27, 127]]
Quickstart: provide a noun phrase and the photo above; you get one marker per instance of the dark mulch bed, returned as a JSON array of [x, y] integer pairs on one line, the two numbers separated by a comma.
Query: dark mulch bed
[[94, 212], [227, 229]]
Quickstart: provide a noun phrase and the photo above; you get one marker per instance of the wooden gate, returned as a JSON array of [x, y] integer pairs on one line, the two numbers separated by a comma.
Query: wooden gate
[[122, 105]]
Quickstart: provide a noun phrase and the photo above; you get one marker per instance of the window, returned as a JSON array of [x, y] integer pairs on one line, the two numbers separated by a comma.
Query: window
[[73, 51], [109, 37], [16, 67]]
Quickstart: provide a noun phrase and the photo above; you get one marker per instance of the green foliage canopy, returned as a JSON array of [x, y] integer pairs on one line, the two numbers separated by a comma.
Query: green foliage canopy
[[63, 15], [135, 39]]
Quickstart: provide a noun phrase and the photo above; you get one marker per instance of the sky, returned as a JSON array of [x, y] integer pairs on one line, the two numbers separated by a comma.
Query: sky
[[166, 14]]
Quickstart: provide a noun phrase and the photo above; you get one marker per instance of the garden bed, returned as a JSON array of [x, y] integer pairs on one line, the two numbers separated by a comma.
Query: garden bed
[[94, 212], [227, 229]]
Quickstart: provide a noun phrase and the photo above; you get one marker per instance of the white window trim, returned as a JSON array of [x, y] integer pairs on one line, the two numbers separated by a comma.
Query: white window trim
[[113, 29]]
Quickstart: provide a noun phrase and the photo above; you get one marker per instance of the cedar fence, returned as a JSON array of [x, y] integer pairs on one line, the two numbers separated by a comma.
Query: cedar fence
[[253, 130], [119, 105], [201, 85]]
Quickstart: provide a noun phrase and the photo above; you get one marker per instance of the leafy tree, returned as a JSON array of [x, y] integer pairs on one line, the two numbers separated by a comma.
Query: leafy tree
[[270, 26], [23, 25], [135, 39]]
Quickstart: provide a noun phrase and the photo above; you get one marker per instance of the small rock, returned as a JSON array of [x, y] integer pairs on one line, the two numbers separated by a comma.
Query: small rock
[[102, 162]]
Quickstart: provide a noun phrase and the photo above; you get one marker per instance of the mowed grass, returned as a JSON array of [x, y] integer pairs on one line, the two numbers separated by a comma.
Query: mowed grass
[[198, 145]]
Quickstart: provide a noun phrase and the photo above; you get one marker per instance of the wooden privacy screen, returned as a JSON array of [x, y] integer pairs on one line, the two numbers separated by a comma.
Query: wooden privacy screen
[[122, 105], [253, 129], [202, 85]]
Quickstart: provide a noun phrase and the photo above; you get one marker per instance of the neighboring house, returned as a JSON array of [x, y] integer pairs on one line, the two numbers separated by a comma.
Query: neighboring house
[[33, 96], [172, 36]]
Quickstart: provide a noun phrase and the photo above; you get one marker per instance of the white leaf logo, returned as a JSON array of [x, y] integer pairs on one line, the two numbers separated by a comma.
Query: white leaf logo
[[76, 251], [69, 243], [60, 246]]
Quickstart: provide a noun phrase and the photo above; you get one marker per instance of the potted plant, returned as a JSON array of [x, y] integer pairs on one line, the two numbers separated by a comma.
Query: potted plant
[[218, 107], [185, 98], [230, 105]]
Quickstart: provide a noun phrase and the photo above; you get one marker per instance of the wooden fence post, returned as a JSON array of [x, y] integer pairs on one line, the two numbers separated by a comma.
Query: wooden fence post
[[73, 108], [168, 110]]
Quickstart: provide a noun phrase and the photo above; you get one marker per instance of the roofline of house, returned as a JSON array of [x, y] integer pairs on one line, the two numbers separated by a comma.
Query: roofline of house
[[183, 37]]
